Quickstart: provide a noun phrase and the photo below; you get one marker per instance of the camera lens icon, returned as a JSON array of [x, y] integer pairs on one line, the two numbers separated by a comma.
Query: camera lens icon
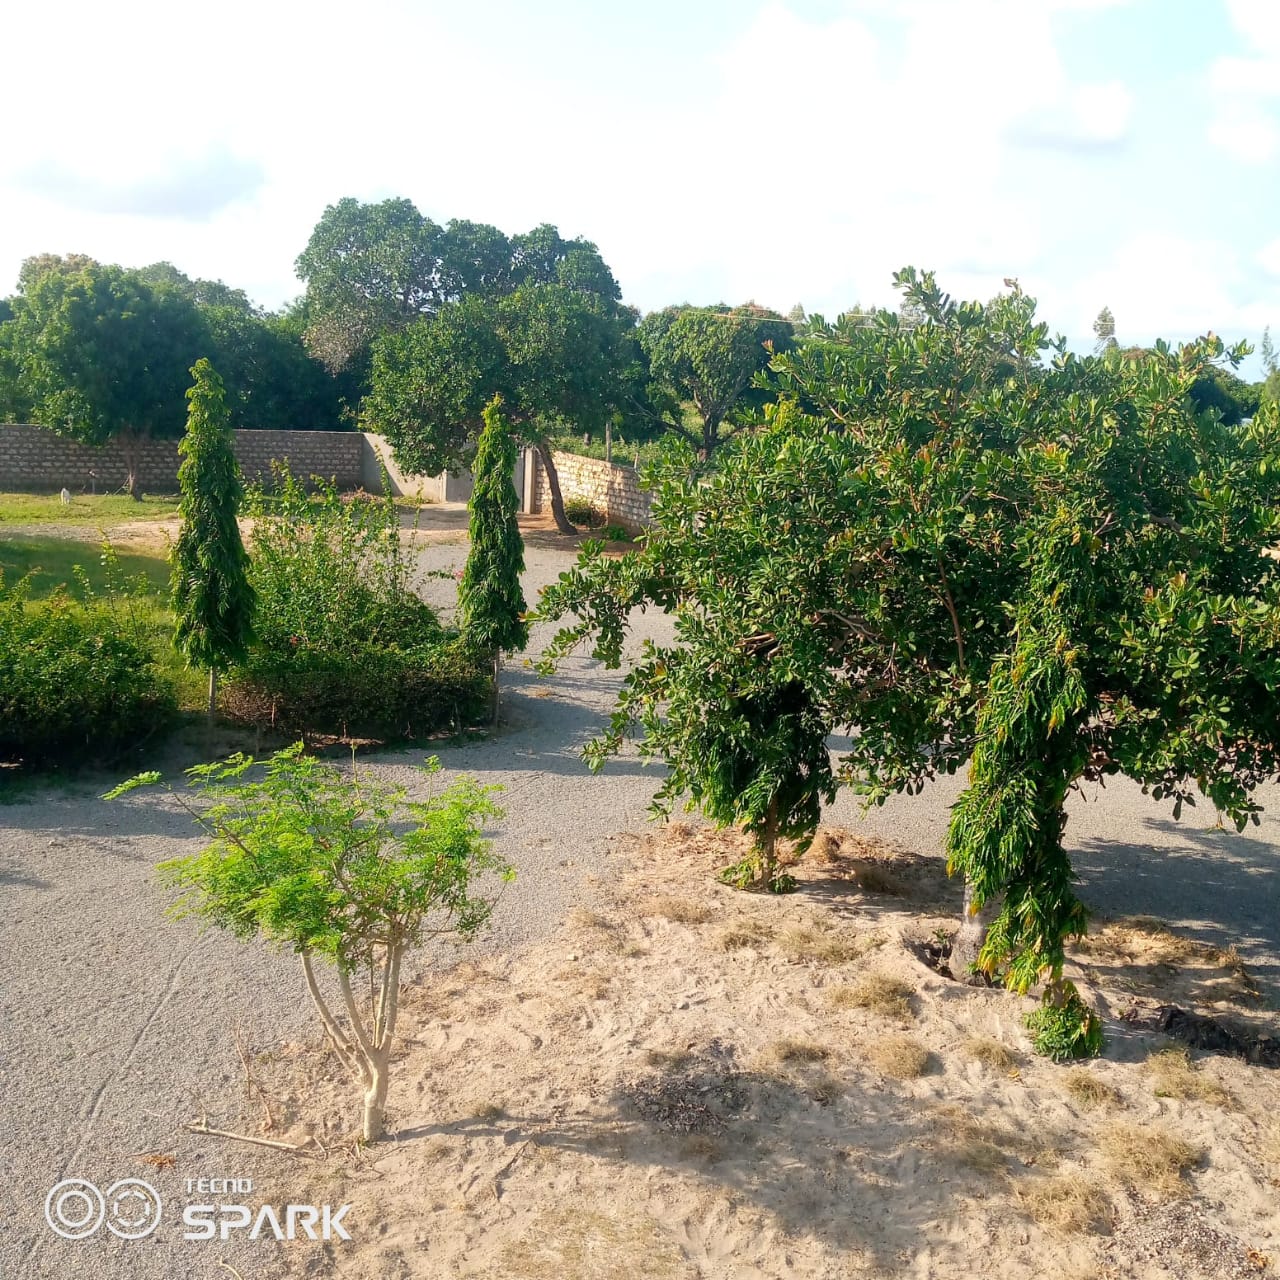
[[75, 1209], [133, 1208]]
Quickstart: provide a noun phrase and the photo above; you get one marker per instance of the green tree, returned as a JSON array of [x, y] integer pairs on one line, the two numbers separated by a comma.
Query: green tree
[[212, 598], [490, 598], [961, 554], [709, 357], [348, 871], [1104, 331], [103, 356], [371, 270], [556, 355], [1225, 393], [272, 382], [1270, 388]]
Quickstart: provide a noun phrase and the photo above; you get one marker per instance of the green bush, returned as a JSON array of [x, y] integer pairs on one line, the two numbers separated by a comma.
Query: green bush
[[580, 511], [76, 683], [1064, 1027], [343, 644]]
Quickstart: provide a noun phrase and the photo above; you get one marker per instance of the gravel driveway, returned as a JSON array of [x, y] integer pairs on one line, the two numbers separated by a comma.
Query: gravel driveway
[[116, 1024]]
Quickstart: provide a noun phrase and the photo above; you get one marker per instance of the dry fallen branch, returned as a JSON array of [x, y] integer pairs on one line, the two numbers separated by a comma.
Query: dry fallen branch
[[203, 1127]]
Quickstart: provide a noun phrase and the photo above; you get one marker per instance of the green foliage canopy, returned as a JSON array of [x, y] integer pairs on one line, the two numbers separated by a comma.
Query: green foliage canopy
[[709, 356], [374, 269], [958, 552], [101, 354]]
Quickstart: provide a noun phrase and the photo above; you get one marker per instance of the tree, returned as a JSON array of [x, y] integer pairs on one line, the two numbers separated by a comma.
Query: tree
[[956, 553], [490, 598], [1104, 331], [554, 353], [708, 356], [1226, 394], [371, 270], [103, 356], [1270, 389], [272, 382], [345, 870], [212, 598]]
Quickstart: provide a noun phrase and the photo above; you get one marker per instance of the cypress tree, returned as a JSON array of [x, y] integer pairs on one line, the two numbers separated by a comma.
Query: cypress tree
[[491, 602], [212, 596]]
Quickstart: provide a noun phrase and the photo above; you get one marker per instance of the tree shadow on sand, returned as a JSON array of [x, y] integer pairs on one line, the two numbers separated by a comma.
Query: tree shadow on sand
[[834, 1156]]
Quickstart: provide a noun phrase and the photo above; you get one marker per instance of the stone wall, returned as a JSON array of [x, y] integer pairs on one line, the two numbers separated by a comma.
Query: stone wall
[[614, 491], [36, 460]]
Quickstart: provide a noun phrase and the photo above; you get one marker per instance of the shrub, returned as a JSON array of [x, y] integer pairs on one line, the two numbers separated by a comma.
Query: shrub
[[580, 511], [342, 869], [76, 681], [1064, 1027], [343, 645]]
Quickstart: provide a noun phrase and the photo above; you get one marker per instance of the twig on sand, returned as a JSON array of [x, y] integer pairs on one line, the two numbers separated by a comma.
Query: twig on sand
[[226, 1266], [251, 1085], [203, 1127]]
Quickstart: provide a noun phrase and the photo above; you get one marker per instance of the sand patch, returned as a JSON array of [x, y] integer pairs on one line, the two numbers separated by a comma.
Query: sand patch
[[674, 1085]]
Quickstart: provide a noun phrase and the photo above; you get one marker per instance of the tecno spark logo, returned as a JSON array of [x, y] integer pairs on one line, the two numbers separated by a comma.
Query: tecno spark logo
[[75, 1209], [131, 1209]]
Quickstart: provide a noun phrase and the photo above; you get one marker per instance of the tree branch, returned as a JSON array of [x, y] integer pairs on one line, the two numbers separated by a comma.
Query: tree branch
[[341, 1045]]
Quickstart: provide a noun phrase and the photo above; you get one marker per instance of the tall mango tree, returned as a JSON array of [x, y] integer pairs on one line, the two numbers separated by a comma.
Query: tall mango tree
[[967, 548]]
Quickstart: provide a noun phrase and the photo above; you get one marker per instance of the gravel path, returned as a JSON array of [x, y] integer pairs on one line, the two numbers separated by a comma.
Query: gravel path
[[116, 1024]]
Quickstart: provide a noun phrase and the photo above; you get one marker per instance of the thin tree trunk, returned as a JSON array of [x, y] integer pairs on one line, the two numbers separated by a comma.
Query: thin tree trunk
[[375, 1098], [768, 846], [213, 692], [131, 447], [497, 668], [974, 923], [341, 1044], [543, 449]]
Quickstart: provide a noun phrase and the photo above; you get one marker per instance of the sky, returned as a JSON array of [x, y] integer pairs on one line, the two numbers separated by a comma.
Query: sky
[[1123, 153]]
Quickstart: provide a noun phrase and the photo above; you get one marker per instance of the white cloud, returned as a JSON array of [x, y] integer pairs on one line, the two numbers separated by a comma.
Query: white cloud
[[806, 162], [831, 155], [1269, 258], [1245, 91], [1167, 285]]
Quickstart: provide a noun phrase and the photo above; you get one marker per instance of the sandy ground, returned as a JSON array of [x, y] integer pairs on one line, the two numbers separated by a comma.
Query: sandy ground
[[685, 1081], [117, 1026]]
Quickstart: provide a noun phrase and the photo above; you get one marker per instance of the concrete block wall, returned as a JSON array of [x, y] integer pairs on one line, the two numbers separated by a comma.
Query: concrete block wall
[[613, 490], [35, 459]]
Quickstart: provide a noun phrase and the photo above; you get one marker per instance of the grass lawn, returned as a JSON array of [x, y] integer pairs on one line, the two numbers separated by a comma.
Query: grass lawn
[[51, 562], [108, 509]]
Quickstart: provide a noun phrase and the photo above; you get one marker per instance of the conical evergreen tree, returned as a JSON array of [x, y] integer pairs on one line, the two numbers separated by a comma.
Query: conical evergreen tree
[[491, 602], [212, 597]]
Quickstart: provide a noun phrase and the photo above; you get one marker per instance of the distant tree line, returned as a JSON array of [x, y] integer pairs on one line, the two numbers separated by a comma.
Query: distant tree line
[[99, 352], [410, 328]]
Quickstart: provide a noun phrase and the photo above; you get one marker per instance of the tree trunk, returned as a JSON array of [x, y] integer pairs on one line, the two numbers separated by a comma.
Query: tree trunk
[[767, 848], [974, 923], [497, 667], [130, 446], [375, 1099], [213, 692], [543, 449]]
